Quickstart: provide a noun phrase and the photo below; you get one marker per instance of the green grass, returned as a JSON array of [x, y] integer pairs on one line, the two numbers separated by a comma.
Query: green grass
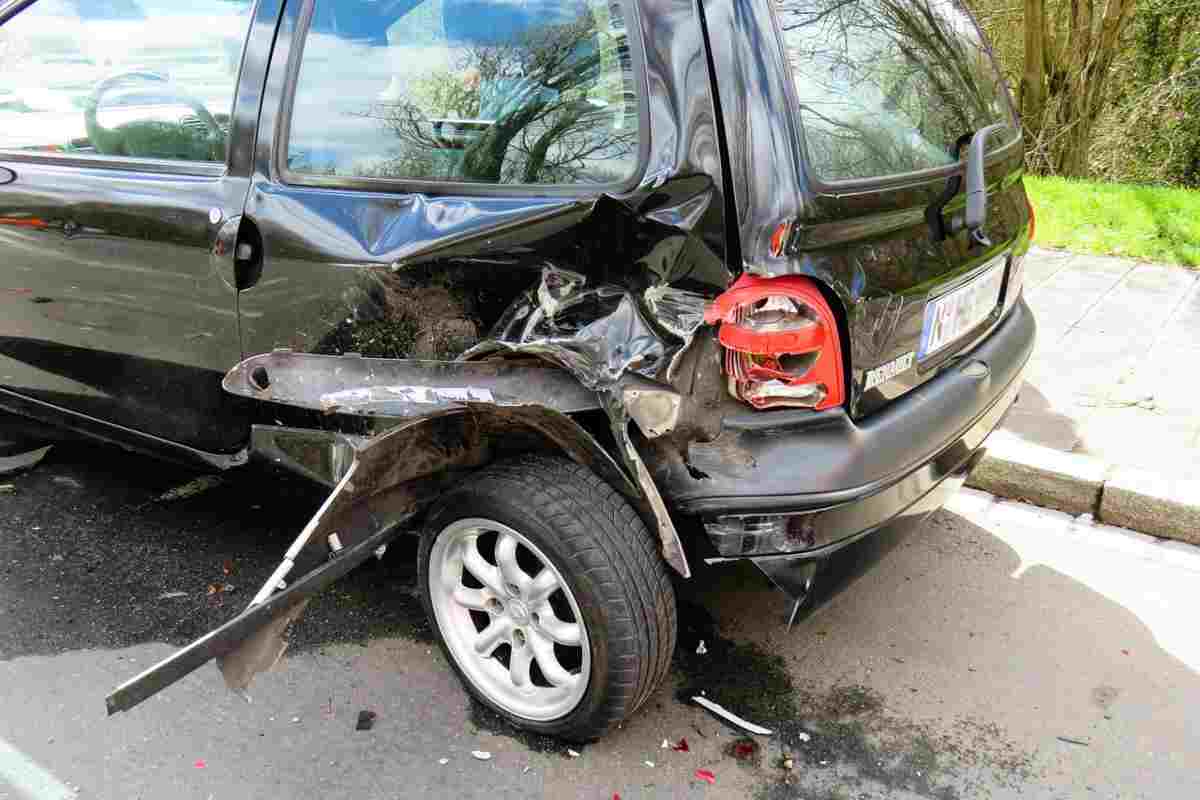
[[1145, 222]]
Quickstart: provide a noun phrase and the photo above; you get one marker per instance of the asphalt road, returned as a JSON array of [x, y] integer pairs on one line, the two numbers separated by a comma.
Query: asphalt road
[[998, 651]]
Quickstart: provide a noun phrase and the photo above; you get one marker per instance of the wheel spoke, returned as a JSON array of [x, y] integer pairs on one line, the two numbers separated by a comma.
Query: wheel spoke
[[543, 651], [541, 587], [506, 559], [474, 599], [484, 572], [566, 633], [491, 637], [518, 665]]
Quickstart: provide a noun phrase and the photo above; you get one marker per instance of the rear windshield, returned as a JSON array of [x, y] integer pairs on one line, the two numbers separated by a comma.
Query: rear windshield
[[887, 87]]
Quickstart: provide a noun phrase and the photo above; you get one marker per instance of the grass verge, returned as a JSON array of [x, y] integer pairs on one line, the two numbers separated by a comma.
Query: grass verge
[[1154, 223]]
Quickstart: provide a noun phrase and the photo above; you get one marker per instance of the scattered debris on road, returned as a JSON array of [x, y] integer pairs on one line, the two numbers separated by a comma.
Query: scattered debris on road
[[443, 761], [7, 488], [649, 764], [22, 461], [730, 717], [681, 746], [573, 753], [707, 776], [744, 749], [190, 489], [172, 595], [1069, 740], [366, 720], [665, 744], [701, 649], [481, 755], [200, 764]]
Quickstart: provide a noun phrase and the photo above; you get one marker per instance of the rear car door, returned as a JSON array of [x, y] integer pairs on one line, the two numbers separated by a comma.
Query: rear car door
[[126, 128], [394, 132]]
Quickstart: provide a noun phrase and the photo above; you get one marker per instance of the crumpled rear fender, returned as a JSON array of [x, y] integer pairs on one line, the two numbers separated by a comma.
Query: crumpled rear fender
[[430, 433]]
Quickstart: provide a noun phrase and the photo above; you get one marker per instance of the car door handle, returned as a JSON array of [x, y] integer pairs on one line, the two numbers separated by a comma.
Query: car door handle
[[237, 253]]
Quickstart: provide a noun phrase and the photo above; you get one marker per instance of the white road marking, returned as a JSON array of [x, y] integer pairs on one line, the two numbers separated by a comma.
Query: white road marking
[[28, 778]]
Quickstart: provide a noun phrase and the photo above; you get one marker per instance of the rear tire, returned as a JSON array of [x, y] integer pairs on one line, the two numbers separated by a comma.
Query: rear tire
[[609, 619]]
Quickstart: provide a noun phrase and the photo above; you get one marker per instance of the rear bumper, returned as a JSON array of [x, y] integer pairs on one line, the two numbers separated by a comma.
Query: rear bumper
[[836, 480]]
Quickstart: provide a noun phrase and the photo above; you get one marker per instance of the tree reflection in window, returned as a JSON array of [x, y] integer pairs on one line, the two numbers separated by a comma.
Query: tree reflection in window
[[888, 86], [493, 91]]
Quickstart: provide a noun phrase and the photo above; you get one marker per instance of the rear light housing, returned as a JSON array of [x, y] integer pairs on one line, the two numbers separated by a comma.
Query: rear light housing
[[781, 343]]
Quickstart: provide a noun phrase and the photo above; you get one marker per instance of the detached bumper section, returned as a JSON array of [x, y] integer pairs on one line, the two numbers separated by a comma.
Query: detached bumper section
[[781, 488]]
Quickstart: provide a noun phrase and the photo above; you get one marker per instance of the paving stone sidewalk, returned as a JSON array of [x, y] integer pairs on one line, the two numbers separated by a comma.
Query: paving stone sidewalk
[[1116, 373]]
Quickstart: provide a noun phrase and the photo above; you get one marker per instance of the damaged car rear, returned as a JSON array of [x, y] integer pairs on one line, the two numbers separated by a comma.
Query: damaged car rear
[[578, 292]]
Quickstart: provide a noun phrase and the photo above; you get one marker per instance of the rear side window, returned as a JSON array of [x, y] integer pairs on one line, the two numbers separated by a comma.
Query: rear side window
[[484, 91], [887, 87], [131, 78]]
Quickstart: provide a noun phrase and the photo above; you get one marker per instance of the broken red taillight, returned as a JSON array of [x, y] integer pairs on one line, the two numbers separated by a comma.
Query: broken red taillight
[[781, 343]]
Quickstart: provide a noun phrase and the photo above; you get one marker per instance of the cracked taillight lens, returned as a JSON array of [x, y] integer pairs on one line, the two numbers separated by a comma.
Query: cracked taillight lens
[[781, 343]]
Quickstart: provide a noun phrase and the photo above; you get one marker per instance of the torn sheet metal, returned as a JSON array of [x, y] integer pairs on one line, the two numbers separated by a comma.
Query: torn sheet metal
[[389, 479], [403, 387], [597, 332]]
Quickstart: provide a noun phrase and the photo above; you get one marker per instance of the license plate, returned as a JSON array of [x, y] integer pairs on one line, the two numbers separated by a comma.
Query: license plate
[[958, 312]]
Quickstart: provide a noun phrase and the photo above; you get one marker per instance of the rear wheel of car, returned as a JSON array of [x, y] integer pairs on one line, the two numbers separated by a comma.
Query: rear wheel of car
[[548, 596]]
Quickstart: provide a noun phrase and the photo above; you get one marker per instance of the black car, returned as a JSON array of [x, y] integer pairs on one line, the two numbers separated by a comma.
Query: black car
[[559, 284]]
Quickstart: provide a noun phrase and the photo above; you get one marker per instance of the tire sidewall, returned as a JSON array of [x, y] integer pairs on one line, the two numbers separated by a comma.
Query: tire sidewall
[[475, 501]]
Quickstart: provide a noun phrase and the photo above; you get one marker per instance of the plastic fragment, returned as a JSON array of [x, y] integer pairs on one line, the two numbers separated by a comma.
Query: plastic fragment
[[26, 460], [573, 753], [706, 776], [730, 717], [171, 595], [191, 488], [443, 761], [681, 746], [1069, 740], [788, 763], [366, 720], [744, 749], [701, 649], [804, 737], [649, 764], [200, 764], [481, 755], [665, 744]]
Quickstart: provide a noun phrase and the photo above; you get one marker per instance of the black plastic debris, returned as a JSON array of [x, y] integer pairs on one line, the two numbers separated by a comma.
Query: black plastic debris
[[366, 720]]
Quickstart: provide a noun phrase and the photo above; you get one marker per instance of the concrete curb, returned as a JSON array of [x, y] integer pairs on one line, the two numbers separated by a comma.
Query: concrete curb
[[1142, 501]]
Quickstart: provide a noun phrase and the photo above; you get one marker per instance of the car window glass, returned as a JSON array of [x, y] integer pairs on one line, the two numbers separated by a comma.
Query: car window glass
[[488, 91], [133, 78], [888, 86]]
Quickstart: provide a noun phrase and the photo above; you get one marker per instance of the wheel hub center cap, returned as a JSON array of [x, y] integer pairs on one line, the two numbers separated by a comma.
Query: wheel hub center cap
[[518, 612]]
